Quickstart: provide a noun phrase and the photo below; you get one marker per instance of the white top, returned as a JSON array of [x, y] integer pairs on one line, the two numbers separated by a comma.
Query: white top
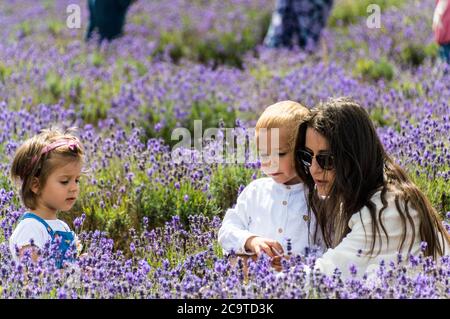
[[268, 209], [346, 253], [30, 228]]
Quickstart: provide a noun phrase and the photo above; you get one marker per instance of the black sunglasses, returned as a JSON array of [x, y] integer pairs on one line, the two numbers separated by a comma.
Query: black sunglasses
[[325, 161]]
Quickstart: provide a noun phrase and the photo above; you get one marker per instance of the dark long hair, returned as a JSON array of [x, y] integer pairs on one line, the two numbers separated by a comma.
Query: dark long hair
[[363, 168]]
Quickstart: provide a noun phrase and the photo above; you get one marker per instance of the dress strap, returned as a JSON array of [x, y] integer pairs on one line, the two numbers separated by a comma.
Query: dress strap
[[39, 219]]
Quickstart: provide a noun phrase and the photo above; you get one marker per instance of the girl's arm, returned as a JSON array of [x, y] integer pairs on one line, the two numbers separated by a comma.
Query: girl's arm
[[29, 234], [34, 252]]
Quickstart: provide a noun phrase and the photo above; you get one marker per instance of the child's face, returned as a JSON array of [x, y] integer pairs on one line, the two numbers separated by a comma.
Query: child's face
[[61, 189], [277, 161]]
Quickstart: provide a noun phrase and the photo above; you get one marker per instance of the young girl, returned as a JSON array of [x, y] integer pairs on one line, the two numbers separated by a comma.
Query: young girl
[[269, 211], [366, 206], [47, 167]]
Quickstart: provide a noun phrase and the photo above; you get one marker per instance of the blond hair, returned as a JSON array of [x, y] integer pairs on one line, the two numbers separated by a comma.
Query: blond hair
[[33, 161], [284, 114]]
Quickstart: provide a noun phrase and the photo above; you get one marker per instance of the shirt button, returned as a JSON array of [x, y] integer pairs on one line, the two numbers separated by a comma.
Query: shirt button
[[305, 218], [288, 187], [284, 203], [280, 230]]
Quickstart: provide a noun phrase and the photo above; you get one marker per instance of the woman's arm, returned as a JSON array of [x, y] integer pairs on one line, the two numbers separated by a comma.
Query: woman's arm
[[355, 248]]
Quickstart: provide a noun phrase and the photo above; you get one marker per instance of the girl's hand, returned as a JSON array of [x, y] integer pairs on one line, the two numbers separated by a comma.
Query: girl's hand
[[79, 246], [259, 245]]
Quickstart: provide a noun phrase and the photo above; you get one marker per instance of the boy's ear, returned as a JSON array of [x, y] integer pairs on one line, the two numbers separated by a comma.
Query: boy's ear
[[35, 185]]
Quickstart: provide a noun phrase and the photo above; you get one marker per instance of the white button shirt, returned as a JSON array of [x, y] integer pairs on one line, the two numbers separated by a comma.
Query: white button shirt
[[268, 209]]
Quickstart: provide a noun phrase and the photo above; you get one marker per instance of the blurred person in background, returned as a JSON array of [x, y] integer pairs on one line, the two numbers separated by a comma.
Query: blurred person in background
[[107, 17], [441, 28], [298, 22]]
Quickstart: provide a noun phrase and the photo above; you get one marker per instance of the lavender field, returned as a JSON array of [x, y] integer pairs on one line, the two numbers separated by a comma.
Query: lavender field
[[148, 224]]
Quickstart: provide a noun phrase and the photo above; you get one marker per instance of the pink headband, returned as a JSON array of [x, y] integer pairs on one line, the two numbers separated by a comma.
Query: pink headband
[[71, 143]]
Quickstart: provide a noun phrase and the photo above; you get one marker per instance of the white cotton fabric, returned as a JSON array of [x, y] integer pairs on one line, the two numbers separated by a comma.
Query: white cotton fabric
[[30, 228], [346, 253], [268, 209]]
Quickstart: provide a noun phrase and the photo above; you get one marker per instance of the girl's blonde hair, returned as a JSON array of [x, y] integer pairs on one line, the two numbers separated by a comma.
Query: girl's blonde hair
[[284, 114], [39, 156]]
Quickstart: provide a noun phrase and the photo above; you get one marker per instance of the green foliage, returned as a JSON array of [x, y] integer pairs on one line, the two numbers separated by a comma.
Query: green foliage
[[347, 12], [25, 28], [222, 51], [97, 100], [48, 4], [94, 111], [211, 112], [413, 54], [73, 86], [225, 184], [140, 68], [378, 116], [409, 89], [53, 87], [97, 59], [56, 87], [5, 72], [55, 28], [159, 203], [172, 42], [436, 190], [374, 70], [105, 207], [222, 48], [5, 183], [432, 50], [352, 45]]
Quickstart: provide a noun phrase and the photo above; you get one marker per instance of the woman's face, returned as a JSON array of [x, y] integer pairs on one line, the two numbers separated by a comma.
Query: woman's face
[[317, 144]]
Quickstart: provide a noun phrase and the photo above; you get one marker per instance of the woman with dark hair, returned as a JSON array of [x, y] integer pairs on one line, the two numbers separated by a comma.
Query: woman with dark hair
[[367, 208]]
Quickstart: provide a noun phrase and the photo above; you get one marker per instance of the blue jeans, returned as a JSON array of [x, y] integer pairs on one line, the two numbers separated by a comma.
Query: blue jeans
[[299, 20], [444, 52]]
